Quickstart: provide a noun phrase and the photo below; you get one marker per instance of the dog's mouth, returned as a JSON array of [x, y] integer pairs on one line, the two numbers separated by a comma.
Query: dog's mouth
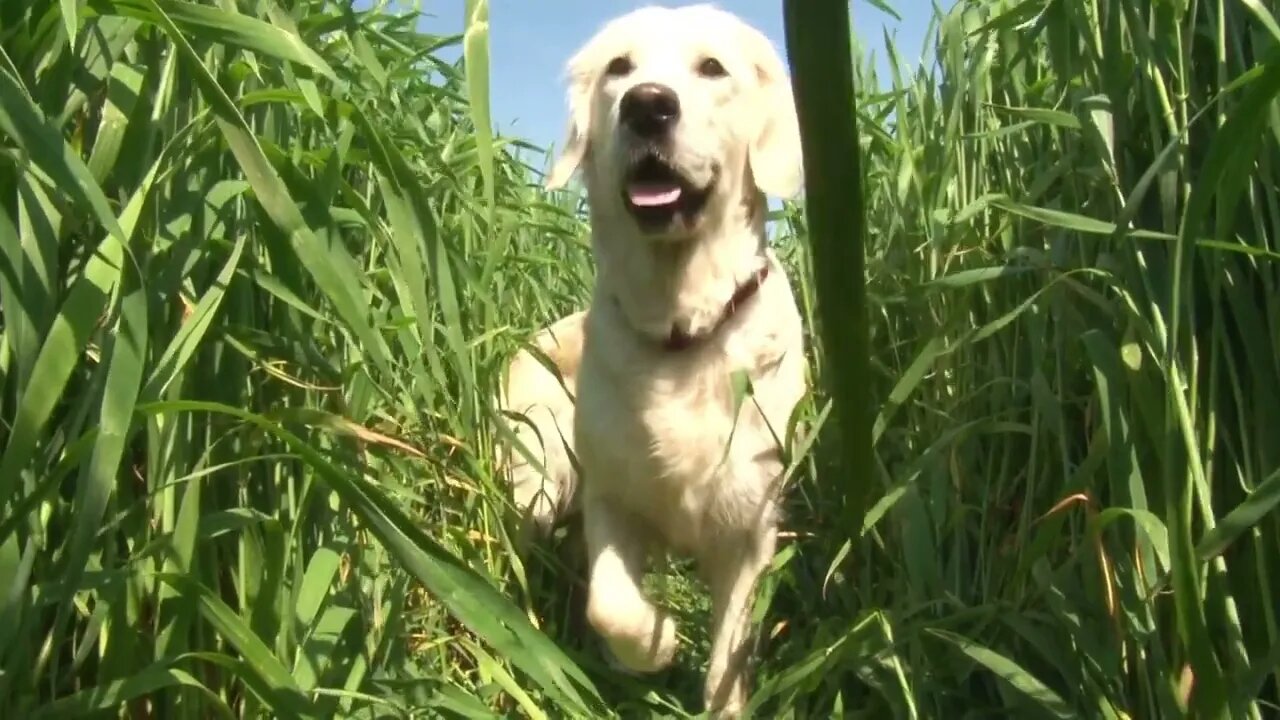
[[659, 197]]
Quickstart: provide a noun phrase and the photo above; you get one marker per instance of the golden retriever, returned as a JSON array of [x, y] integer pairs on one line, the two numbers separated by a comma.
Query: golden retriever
[[681, 120]]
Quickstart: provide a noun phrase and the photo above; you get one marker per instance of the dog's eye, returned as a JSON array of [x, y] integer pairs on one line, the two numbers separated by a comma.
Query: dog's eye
[[711, 68], [619, 66]]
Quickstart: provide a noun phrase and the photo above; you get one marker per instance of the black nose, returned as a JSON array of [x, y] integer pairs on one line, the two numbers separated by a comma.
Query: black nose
[[650, 109]]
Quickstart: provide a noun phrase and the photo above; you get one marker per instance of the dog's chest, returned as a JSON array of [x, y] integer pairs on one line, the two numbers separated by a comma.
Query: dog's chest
[[686, 423], [684, 448]]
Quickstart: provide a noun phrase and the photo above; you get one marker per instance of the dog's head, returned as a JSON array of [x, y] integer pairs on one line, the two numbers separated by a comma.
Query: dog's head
[[675, 111]]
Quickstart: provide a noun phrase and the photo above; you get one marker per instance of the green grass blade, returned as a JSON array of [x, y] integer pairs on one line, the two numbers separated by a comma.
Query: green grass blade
[[467, 595], [818, 46], [1242, 518], [117, 693], [1010, 672], [325, 264], [40, 142], [475, 48], [223, 26], [285, 698]]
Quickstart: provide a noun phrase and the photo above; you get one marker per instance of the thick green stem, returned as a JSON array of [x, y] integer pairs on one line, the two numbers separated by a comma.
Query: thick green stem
[[819, 48]]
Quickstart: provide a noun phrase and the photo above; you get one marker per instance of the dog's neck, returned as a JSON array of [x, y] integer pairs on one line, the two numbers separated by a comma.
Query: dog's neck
[[676, 293]]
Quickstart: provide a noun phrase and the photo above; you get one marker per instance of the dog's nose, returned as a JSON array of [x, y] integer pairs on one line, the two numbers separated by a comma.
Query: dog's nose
[[650, 108]]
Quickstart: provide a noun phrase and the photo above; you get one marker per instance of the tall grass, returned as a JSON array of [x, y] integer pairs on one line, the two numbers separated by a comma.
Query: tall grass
[[244, 364], [820, 52], [261, 263]]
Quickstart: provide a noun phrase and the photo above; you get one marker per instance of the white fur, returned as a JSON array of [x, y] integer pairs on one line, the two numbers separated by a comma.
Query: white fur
[[652, 424]]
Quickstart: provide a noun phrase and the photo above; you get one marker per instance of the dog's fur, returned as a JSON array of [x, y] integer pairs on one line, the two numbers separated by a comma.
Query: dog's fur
[[670, 459]]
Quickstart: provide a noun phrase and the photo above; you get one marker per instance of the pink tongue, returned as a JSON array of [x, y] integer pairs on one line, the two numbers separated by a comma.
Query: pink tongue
[[653, 194]]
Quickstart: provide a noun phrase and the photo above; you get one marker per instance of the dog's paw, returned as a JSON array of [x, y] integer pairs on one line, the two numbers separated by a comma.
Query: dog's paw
[[728, 712], [641, 655], [725, 696], [732, 709], [615, 664]]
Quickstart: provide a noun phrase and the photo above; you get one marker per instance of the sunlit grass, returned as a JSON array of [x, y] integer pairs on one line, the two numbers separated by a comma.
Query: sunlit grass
[[259, 272]]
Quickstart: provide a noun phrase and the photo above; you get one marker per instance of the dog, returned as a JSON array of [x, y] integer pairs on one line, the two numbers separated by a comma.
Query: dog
[[681, 122]]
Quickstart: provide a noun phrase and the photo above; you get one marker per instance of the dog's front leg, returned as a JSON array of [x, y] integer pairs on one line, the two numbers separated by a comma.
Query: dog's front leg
[[641, 637], [733, 567]]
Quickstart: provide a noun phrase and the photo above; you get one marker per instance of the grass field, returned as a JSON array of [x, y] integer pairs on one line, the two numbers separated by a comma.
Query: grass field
[[261, 262]]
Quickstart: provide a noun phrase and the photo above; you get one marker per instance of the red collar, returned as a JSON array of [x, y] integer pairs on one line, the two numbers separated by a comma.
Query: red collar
[[680, 340]]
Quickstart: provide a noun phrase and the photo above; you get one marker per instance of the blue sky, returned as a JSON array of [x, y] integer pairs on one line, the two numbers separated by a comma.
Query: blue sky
[[532, 39]]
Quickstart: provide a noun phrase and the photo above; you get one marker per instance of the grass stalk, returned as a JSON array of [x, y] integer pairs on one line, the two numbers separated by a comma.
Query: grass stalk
[[819, 49]]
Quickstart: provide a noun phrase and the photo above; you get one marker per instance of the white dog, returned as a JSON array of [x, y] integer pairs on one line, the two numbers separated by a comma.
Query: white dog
[[680, 121]]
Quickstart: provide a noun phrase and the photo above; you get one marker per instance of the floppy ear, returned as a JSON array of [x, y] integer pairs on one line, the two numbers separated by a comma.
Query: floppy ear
[[579, 131], [774, 150]]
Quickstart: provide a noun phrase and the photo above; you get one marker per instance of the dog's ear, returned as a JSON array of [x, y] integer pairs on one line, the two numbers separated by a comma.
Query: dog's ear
[[774, 150], [577, 137]]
